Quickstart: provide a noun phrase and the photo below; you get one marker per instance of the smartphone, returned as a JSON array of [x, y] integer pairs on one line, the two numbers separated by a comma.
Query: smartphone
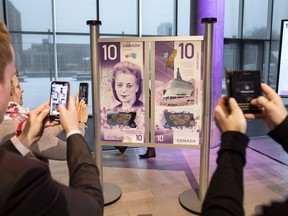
[[244, 86], [59, 94], [83, 91]]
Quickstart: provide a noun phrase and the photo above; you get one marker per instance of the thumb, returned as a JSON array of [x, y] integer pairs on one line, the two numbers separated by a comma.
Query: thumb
[[61, 108], [43, 114], [234, 106]]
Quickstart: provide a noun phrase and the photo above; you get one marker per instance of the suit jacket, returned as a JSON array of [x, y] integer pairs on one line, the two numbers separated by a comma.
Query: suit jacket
[[27, 188]]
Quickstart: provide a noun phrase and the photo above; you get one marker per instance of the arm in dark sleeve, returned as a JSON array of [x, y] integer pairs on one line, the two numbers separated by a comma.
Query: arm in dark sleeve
[[26, 185], [84, 176], [8, 146], [280, 134], [225, 193]]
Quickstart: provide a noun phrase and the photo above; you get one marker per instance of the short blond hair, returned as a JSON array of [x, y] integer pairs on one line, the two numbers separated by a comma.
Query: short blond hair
[[5, 49]]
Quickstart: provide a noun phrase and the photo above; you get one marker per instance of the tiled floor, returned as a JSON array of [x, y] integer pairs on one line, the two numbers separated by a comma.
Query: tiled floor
[[152, 186]]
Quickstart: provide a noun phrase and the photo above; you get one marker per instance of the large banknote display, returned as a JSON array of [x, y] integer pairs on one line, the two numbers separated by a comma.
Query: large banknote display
[[122, 91], [178, 92]]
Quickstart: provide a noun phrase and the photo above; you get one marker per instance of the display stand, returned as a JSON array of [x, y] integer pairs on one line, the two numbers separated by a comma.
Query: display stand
[[111, 191], [136, 46], [188, 199]]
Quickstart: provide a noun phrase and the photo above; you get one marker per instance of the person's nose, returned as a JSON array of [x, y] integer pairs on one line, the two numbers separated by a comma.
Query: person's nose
[[124, 89], [22, 90]]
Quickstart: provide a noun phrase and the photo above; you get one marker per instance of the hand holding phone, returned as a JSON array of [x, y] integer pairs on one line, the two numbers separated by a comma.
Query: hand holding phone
[[59, 94], [69, 118]]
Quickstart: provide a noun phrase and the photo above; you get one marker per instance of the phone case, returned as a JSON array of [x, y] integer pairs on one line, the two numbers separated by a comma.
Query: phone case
[[244, 86]]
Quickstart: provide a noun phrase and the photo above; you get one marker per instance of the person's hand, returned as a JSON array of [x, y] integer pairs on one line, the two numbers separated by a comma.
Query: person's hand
[[273, 109], [34, 126], [77, 100], [233, 121], [82, 110], [68, 117]]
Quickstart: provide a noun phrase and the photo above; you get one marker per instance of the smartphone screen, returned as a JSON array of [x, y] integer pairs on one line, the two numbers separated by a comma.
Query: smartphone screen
[[59, 95], [244, 86], [83, 92]]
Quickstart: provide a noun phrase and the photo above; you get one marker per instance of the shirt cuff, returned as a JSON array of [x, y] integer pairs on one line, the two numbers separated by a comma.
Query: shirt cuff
[[72, 132], [19, 146]]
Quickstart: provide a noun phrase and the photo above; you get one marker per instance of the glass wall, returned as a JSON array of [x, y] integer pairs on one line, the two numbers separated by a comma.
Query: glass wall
[[72, 16], [38, 38], [232, 19], [183, 18], [255, 19], [32, 15], [119, 19], [158, 22], [52, 41], [51, 38], [252, 37]]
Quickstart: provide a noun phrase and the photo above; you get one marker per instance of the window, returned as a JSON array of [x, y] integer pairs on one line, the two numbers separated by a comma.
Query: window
[[72, 17], [255, 20], [183, 18], [253, 55], [251, 34], [29, 15], [280, 12], [156, 21], [121, 18], [256, 47], [34, 60], [232, 55], [231, 19]]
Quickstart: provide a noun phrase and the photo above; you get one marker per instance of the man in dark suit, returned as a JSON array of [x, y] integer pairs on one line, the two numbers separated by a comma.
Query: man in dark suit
[[26, 185]]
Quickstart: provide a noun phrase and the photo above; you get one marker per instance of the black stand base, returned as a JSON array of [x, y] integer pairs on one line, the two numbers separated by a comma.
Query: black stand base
[[190, 201], [112, 193]]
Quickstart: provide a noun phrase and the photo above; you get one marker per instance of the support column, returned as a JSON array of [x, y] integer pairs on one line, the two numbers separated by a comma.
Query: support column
[[211, 8]]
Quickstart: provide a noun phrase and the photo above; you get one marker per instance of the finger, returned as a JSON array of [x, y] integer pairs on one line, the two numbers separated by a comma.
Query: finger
[[250, 116], [80, 105], [70, 103], [268, 91], [49, 123], [234, 106], [72, 108], [222, 101], [43, 114], [266, 104], [77, 99], [84, 107], [254, 101], [261, 100], [40, 108], [61, 108], [220, 113]]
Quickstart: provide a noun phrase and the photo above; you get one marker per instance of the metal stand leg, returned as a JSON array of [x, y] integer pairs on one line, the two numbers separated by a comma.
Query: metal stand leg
[[111, 192], [188, 199]]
